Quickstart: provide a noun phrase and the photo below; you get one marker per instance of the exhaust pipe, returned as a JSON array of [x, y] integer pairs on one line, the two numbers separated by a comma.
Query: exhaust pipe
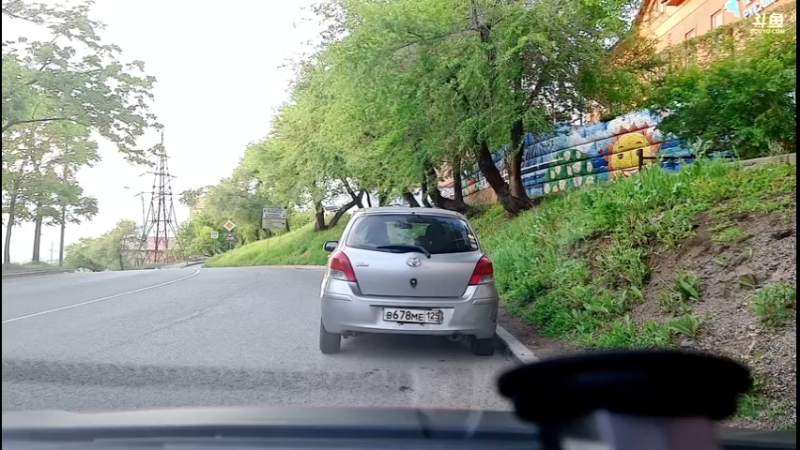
[[455, 337]]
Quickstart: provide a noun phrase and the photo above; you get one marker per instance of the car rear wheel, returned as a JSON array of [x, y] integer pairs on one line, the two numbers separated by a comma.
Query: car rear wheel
[[329, 343], [483, 347]]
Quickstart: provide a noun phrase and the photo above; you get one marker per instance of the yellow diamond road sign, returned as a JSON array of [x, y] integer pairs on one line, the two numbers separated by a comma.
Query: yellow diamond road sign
[[229, 226]]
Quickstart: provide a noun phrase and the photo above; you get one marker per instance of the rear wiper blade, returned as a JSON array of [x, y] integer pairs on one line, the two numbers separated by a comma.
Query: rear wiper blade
[[409, 248]]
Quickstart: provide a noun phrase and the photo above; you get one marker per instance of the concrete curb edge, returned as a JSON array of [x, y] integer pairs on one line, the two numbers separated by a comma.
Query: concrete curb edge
[[514, 348], [35, 273]]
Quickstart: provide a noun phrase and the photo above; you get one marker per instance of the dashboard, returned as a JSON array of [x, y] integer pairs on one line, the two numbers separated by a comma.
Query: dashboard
[[302, 428]]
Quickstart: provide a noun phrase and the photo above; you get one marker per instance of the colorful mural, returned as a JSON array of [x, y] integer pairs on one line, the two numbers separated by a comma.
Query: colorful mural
[[570, 157]]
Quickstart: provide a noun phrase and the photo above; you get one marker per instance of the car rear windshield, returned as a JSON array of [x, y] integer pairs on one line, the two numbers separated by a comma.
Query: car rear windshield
[[390, 233]]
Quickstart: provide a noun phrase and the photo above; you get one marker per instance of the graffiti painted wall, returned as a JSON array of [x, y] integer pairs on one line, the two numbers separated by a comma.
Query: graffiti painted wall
[[570, 157]]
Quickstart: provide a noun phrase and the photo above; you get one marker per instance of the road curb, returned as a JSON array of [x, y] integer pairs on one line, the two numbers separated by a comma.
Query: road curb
[[514, 348], [790, 158], [34, 273]]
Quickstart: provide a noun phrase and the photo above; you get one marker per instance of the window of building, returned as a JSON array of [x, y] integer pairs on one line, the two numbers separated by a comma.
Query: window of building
[[717, 20], [691, 34]]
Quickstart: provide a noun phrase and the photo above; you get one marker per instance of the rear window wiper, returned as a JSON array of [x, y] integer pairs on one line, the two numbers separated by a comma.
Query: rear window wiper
[[408, 248]]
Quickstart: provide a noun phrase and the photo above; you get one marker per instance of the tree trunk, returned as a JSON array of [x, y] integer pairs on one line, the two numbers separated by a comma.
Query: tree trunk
[[61, 239], [409, 198], [513, 205], [383, 197], [12, 217], [320, 217], [515, 168], [355, 197], [458, 185], [341, 212], [37, 233], [369, 200], [63, 223], [441, 201], [424, 194]]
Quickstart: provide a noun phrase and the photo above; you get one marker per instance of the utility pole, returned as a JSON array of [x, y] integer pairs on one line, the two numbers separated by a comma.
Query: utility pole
[[52, 252]]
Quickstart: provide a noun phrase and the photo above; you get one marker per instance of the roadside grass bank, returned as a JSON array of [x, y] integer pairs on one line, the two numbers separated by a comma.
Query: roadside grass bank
[[301, 247], [14, 267], [702, 260], [578, 264]]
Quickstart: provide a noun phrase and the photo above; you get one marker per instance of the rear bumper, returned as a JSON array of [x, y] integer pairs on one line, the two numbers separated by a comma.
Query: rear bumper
[[345, 309]]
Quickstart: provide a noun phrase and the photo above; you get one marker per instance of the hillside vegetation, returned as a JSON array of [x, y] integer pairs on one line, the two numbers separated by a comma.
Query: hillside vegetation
[[588, 267], [298, 248]]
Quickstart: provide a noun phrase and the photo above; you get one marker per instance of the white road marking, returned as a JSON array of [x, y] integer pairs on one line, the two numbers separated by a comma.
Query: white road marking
[[89, 302]]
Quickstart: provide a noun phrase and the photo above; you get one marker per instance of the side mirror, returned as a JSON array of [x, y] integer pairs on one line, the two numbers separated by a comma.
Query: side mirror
[[330, 246]]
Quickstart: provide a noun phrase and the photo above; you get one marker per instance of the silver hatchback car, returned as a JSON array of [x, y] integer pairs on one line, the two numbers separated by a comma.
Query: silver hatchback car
[[408, 271]]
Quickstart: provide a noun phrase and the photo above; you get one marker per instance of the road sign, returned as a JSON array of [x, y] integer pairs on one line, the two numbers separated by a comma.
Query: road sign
[[229, 226], [230, 237], [215, 235], [273, 218]]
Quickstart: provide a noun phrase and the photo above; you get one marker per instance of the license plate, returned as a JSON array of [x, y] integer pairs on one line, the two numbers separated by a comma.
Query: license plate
[[413, 315]]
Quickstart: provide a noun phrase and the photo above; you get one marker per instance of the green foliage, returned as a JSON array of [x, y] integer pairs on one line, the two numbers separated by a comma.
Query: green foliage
[[72, 76], [114, 250], [688, 326], [688, 287], [776, 304], [730, 235], [403, 88], [743, 102], [575, 266], [300, 247], [40, 163], [570, 266]]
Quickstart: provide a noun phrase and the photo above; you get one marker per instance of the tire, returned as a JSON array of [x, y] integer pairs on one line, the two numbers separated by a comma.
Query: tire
[[329, 343], [483, 347]]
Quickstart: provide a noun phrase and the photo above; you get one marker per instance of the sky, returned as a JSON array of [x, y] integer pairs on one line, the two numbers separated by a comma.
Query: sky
[[219, 79]]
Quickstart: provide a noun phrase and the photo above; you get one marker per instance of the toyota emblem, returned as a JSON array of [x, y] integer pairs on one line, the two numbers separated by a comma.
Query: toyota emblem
[[414, 262]]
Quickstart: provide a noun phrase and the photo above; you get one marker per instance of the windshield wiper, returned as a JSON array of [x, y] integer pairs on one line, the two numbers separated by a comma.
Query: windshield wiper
[[408, 248]]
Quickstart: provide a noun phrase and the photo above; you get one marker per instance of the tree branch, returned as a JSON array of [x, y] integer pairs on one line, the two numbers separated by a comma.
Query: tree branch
[[422, 40], [51, 119]]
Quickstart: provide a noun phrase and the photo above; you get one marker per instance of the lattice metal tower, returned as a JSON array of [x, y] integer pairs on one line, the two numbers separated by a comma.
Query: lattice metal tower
[[160, 224]]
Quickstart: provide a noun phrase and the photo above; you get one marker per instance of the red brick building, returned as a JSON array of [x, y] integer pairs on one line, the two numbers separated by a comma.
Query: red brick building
[[671, 22]]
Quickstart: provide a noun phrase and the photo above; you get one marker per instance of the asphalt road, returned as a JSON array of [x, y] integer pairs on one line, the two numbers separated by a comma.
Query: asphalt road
[[214, 337]]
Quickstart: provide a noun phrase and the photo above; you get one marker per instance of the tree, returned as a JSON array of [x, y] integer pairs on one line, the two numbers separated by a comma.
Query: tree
[[114, 250], [191, 197], [39, 164], [57, 198], [73, 77], [744, 102], [436, 82], [403, 91], [118, 243]]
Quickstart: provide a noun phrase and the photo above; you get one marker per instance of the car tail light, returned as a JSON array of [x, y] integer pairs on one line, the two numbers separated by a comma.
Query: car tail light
[[484, 272], [341, 269]]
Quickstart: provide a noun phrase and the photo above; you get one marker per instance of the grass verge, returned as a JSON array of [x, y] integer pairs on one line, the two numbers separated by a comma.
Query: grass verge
[[300, 247], [575, 266]]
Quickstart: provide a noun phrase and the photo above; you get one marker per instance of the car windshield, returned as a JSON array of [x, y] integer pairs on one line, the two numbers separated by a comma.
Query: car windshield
[[398, 233], [372, 202]]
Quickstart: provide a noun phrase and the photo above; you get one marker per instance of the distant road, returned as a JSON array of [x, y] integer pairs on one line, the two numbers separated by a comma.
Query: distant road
[[214, 337]]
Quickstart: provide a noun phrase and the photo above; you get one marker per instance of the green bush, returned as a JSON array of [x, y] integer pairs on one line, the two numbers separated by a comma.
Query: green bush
[[743, 103]]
